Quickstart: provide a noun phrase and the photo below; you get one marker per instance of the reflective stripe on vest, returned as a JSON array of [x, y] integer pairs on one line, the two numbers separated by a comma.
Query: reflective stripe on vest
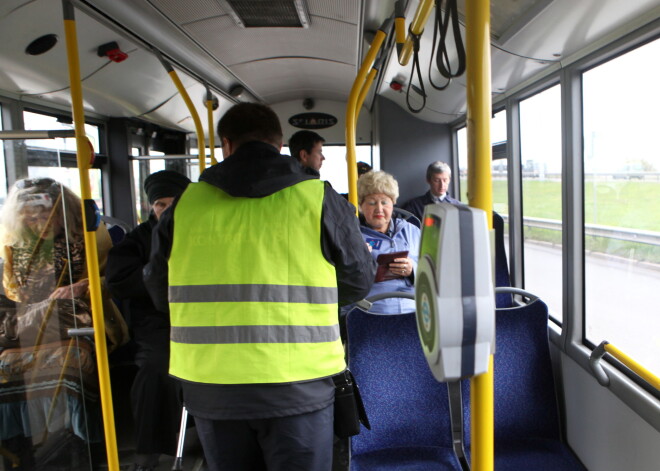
[[252, 299], [252, 293]]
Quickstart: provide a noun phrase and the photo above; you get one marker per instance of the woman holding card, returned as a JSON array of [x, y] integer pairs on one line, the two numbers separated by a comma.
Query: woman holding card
[[394, 242]]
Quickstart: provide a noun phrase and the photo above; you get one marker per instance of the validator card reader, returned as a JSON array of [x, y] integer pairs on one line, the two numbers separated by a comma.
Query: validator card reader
[[454, 291]]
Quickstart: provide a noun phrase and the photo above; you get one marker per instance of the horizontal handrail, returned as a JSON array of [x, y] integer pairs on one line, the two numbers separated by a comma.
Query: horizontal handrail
[[116, 222], [634, 366], [366, 303], [513, 290], [22, 134], [80, 332], [596, 230]]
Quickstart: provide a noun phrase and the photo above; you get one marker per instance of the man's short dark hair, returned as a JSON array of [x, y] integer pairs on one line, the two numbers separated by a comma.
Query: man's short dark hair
[[245, 122], [303, 140], [437, 167]]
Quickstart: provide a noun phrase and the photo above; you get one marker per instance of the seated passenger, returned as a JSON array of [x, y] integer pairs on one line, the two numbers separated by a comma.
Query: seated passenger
[[362, 168], [377, 194], [154, 394], [46, 377], [438, 177]]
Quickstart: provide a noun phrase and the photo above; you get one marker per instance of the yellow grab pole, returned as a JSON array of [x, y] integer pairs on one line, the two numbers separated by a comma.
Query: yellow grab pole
[[416, 27], [649, 377], [480, 195], [399, 26], [84, 155], [351, 112], [363, 92], [201, 142], [209, 109]]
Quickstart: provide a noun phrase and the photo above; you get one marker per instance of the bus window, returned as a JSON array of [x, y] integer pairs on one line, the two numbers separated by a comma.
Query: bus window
[[334, 165], [621, 194], [37, 121], [461, 146], [56, 158], [141, 170], [541, 157], [498, 139]]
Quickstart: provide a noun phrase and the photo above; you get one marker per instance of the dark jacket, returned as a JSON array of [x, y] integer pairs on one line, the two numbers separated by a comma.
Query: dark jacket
[[123, 276], [416, 205], [256, 170]]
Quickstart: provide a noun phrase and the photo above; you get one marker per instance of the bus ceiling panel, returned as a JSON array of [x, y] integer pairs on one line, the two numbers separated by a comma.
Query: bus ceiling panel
[[441, 107], [528, 37], [188, 12], [324, 40], [26, 74], [566, 27], [210, 28], [275, 82], [332, 35], [148, 24], [174, 114]]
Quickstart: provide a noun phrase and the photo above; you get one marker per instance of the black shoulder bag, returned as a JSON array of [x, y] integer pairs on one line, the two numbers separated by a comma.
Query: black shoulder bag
[[349, 409]]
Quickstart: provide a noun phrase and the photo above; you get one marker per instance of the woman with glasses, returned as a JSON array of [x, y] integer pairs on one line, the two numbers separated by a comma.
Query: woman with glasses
[[44, 373], [394, 242]]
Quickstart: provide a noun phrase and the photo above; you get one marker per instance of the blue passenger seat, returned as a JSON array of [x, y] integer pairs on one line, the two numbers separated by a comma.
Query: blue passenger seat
[[408, 409], [527, 426]]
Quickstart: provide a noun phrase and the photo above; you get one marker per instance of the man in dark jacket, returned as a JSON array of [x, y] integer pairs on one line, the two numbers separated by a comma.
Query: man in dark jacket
[[154, 397], [307, 148], [260, 255], [438, 176]]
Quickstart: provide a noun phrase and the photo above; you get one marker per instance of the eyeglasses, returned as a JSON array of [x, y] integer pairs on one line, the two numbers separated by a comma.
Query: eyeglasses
[[34, 182]]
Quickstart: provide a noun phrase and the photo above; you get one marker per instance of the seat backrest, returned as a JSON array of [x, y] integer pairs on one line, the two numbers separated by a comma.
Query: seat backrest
[[405, 404], [502, 277], [525, 399], [407, 216]]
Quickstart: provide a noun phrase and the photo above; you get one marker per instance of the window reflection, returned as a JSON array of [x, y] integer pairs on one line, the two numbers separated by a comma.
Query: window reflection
[[621, 191]]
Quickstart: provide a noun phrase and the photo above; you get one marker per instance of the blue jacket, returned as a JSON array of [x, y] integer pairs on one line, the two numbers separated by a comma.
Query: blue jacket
[[416, 205], [404, 236]]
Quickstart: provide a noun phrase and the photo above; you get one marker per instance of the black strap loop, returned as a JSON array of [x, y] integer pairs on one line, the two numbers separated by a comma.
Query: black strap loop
[[415, 66], [442, 59]]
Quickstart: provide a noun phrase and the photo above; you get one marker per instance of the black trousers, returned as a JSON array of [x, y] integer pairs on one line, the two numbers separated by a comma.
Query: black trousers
[[295, 443], [155, 399]]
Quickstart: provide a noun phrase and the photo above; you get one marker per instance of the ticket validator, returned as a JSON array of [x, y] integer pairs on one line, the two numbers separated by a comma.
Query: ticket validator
[[454, 291]]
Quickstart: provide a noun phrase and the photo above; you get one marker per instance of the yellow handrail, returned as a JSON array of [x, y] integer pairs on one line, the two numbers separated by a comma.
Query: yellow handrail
[[363, 92], [480, 195], [201, 142], [416, 28], [209, 109], [84, 157], [399, 26], [351, 112], [638, 369]]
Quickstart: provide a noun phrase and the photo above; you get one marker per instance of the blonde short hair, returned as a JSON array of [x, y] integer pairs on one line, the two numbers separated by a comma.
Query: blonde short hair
[[377, 182], [60, 200]]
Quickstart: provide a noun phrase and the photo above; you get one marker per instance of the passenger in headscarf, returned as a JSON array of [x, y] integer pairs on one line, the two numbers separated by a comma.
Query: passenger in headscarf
[[154, 394]]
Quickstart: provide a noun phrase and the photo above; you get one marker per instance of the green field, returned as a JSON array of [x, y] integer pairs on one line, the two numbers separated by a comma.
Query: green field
[[629, 204]]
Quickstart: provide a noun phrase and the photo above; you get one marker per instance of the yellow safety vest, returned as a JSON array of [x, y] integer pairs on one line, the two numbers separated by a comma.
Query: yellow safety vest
[[252, 298]]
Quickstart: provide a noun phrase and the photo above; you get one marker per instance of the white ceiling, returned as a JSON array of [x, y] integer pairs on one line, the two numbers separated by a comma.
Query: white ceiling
[[274, 65]]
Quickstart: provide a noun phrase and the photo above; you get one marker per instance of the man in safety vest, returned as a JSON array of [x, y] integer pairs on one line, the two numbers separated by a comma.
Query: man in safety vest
[[255, 260]]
